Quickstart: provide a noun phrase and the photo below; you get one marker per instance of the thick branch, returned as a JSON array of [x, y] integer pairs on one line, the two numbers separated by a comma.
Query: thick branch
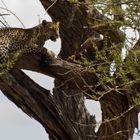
[[39, 104], [105, 27], [33, 100], [61, 12], [58, 68], [63, 114]]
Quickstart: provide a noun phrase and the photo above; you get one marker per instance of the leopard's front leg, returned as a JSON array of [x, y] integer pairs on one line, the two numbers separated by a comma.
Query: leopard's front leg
[[46, 55]]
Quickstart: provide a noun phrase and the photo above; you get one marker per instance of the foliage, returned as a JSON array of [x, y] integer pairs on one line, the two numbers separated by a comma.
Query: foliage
[[117, 77], [9, 64]]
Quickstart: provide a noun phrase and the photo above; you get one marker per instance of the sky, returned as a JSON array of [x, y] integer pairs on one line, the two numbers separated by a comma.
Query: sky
[[14, 124]]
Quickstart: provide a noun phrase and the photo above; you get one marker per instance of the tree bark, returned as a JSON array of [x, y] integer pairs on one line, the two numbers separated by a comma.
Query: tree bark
[[63, 114]]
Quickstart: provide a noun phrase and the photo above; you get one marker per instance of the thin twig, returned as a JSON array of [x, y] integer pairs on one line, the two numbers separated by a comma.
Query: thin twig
[[5, 14], [50, 6], [5, 22], [14, 15], [4, 4]]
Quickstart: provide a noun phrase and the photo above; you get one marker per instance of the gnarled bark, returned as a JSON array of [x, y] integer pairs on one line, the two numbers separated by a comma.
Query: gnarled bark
[[63, 114]]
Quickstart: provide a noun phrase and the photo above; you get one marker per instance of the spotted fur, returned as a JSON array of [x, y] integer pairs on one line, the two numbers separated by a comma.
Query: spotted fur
[[30, 40]]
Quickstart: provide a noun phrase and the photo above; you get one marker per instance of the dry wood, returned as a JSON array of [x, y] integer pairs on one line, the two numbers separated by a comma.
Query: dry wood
[[63, 114]]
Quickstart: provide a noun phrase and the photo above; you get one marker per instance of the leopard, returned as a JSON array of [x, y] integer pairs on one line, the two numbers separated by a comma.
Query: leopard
[[29, 40]]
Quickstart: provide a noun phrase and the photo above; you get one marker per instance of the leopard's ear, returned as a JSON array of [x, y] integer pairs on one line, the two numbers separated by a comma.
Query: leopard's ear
[[55, 25], [44, 23]]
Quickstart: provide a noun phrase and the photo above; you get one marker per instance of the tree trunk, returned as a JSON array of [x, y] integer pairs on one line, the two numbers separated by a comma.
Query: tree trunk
[[63, 114]]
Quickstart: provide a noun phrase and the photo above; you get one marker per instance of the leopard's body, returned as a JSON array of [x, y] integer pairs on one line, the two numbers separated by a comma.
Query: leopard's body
[[29, 40]]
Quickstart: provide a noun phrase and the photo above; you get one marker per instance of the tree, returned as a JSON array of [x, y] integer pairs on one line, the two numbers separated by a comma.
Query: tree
[[83, 69]]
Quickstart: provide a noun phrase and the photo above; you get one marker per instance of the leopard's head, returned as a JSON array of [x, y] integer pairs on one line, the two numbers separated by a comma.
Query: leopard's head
[[50, 30]]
